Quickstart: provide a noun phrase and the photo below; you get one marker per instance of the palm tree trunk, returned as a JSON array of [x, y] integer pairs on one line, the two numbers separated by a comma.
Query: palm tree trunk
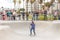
[[31, 7], [23, 5], [27, 7], [14, 6]]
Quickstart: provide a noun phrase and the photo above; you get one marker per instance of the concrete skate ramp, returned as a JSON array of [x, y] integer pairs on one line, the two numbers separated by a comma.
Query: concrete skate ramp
[[21, 30], [40, 25], [26, 24]]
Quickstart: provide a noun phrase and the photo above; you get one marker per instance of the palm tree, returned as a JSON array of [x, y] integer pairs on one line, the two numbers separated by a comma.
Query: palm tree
[[59, 1], [27, 14], [19, 6], [23, 5], [40, 2], [14, 3], [48, 4], [19, 2], [59, 10], [32, 1], [51, 2], [27, 5]]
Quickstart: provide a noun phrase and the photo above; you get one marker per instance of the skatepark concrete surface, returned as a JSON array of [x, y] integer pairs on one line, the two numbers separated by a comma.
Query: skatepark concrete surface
[[19, 30]]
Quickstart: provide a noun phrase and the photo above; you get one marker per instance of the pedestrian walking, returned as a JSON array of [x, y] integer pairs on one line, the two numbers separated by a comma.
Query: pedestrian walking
[[9, 14], [14, 15]]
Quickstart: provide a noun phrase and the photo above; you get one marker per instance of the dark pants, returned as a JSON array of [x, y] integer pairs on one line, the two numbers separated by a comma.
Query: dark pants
[[33, 17], [9, 17], [3, 17], [36, 17], [27, 17], [32, 29], [13, 17], [54, 17], [23, 17], [19, 17], [59, 17]]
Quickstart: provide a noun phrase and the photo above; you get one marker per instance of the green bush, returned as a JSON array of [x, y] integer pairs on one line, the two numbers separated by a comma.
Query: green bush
[[41, 17], [30, 17], [50, 17]]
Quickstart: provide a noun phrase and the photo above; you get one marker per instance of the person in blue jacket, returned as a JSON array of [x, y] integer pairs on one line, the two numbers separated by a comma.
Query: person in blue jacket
[[32, 28]]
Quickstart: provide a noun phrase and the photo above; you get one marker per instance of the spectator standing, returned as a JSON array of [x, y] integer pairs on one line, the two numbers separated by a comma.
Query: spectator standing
[[9, 15], [55, 15], [14, 15], [27, 15], [45, 14], [23, 15]]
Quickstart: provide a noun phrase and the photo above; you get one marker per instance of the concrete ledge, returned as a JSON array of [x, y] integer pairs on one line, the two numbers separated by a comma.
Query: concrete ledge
[[3, 27], [54, 25]]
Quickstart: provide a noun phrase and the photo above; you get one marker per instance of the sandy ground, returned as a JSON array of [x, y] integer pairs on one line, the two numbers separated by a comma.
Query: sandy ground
[[19, 30]]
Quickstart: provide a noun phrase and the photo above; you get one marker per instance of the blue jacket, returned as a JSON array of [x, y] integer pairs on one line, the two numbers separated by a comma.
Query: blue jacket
[[33, 26]]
